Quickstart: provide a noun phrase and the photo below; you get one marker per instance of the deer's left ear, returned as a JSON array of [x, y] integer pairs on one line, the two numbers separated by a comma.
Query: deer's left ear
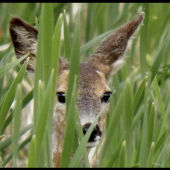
[[24, 38], [109, 57]]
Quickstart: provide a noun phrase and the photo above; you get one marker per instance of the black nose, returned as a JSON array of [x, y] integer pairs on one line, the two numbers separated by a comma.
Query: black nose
[[96, 131]]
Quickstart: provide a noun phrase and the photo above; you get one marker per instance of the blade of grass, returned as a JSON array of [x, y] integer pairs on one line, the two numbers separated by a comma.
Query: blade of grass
[[74, 71], [44, 52], [69, 132], [160, 102], [128, 121], [6, 68], [122, 156], [164, 154], [67, 42], [7, 142], [47, 20], [36, 145], [115, 154], [75, 59], [55, 57], [32, 154], [42, 118], [79, 152], [80, 136], [26, 100], [144, 139], [10, 96], [139, 93], [160, 141], [151, 124], [16, 124], [113, 123], [151, 155], [23, 144], [159, 58]]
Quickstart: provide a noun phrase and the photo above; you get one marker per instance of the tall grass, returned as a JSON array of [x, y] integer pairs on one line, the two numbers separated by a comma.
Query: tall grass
[[137, 128]]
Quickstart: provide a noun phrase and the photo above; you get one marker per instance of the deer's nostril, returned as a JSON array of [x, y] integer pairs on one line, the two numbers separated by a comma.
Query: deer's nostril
[[86, 127], [96, 131]]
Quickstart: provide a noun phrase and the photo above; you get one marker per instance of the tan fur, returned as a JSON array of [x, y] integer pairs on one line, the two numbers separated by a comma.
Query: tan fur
[[93, 88]]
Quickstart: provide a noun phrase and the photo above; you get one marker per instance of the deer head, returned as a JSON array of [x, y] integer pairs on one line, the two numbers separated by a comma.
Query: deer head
[[93, 89]]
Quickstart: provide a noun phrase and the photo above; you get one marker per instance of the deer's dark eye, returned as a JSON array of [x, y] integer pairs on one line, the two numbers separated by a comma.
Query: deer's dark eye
[[61, 97], [106, 97]]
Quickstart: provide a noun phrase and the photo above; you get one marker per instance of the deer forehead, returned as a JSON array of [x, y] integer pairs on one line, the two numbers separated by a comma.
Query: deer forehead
[[62, 81], [91, 81]]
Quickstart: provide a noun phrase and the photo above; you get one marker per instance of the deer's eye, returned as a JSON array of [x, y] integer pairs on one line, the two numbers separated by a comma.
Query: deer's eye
[[61, 97], [106, 97]]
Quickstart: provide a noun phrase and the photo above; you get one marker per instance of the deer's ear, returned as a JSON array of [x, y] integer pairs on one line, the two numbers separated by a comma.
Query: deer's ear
[[109, 56], [24, 38]]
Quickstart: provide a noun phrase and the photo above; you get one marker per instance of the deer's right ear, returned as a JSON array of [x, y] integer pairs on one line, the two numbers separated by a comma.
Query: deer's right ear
[[24, 38]]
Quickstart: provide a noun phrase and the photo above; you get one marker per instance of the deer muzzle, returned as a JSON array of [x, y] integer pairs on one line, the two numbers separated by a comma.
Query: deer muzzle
[[94, 137]]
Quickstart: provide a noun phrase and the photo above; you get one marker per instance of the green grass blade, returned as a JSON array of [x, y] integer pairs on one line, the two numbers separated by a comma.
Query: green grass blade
[[75, 59], [115, 154], [27, 98], [56, 44], [10, 96], [55, 57], [80, 137], [151, 124], [144, 139], [157, 62], [25, 101], [163, 159], [151, 155], [128, 122], [41, 126], [113, 123], [16, 123], [32, 154], [74, 71], [160, 141], [67, 42], [122, 156], [23, 144], [7, 142], [160, 102], [139, 94], [6, 68], [82, 147], [47, 20], [69, 132], [42, 118], [43, 65]]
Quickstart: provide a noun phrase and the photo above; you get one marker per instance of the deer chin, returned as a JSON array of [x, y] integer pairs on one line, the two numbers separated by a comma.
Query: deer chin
[[93, 143]]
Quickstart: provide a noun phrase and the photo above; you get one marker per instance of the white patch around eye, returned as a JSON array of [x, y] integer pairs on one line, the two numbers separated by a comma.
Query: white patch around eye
[[117, 65]]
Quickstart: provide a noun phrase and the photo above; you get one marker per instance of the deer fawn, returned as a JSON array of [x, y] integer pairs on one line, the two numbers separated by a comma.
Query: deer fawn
[[93, 90]]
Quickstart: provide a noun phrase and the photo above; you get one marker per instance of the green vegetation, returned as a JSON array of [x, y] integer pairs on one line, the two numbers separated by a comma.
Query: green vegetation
[[137, 130]]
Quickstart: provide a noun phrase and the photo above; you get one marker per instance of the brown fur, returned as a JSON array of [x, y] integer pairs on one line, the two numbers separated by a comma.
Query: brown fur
[[93, 77]]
